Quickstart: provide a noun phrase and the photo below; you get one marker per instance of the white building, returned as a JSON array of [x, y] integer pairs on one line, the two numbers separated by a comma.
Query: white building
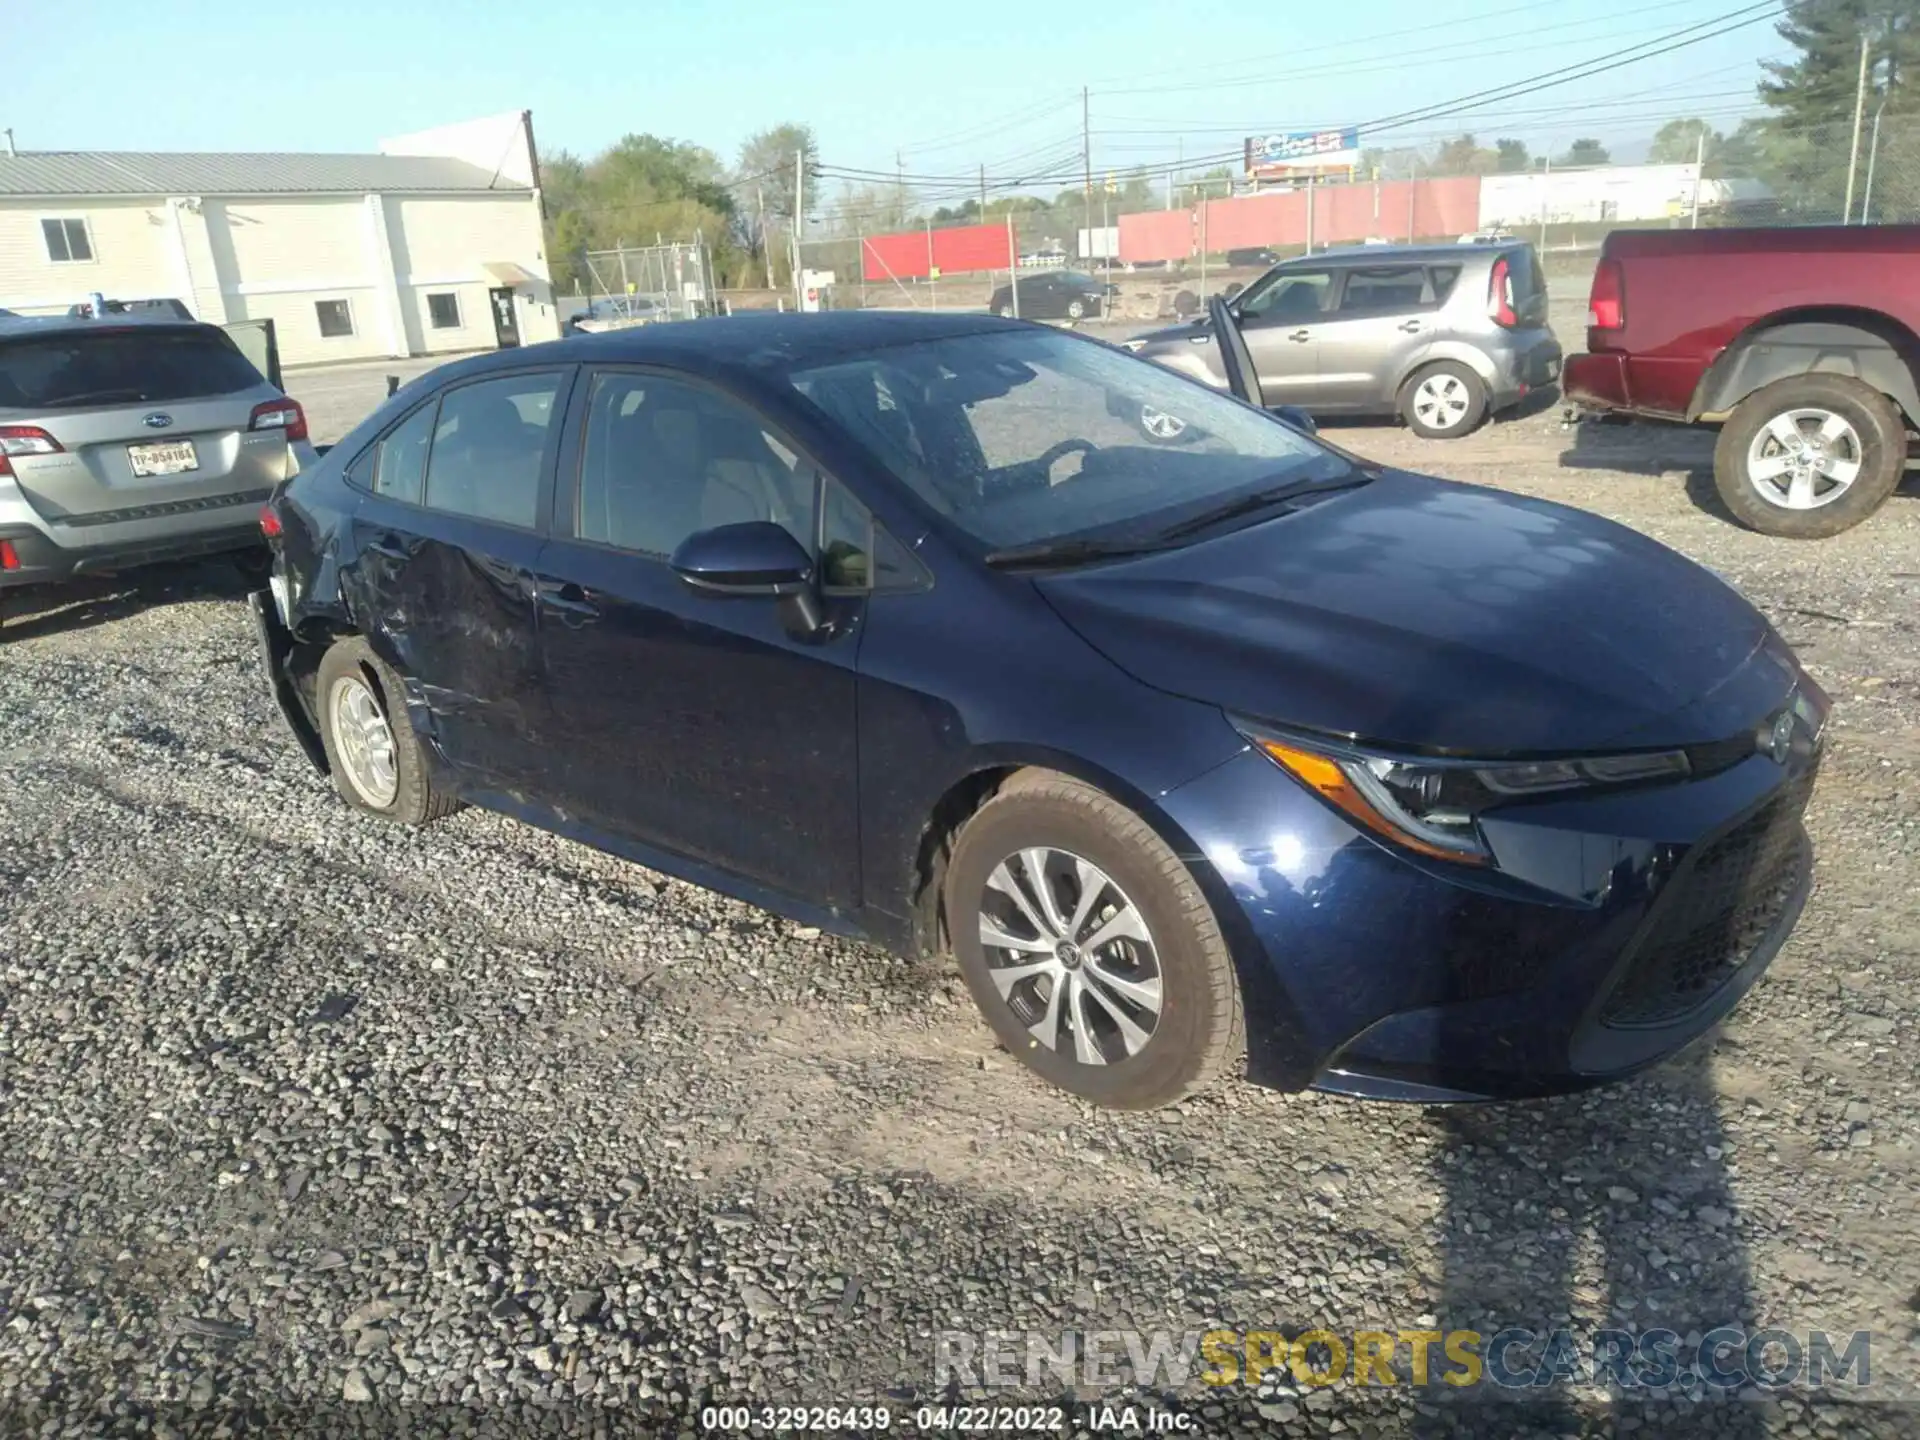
[[1603, 194], [433, 245]]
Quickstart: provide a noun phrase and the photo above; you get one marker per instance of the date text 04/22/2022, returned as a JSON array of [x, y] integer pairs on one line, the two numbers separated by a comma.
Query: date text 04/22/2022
[[943, 1419]]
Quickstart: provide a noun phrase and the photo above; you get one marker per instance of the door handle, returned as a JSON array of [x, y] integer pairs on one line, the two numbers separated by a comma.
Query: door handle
[[565, 596], [1412, 327], [389, 546], [1301, 335]]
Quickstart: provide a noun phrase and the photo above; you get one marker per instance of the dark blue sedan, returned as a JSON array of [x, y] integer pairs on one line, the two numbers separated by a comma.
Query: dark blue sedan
[[1236, 746]]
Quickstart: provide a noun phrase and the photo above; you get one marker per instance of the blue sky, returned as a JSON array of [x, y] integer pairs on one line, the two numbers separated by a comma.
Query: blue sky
[[998, 83]]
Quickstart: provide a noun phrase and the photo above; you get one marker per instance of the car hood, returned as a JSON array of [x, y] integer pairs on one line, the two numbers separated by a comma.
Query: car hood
[[1440, 617]]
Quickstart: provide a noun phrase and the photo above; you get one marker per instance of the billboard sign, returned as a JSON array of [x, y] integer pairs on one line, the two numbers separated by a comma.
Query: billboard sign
[[1302, 152]]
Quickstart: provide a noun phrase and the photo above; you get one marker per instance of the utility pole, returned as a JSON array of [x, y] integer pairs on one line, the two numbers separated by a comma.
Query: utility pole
[[799, 222], [1699, 166], [983, 192], [1086, 145], [766, 250], [1546, 184], [1859, 112]]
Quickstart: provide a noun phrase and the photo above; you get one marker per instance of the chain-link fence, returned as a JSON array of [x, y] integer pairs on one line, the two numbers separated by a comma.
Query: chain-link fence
[[645, 283]]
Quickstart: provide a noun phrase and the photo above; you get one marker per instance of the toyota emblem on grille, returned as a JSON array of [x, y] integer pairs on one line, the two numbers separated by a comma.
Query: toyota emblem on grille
[[158, 420]]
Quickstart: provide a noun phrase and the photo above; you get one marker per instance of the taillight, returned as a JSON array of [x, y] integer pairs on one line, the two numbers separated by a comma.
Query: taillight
[[1607, 302], [270, 525], [1500, 295], [9, 557], [24, 440], [281, 414]]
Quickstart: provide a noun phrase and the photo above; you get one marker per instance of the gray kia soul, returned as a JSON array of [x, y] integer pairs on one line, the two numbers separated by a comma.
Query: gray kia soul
[[1441, 335], [127, 440]]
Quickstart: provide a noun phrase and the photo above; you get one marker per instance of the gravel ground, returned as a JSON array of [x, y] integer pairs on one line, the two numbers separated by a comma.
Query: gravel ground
[[370, 1128]]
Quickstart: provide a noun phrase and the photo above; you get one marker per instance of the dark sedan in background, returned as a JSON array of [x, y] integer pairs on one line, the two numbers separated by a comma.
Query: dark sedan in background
[[1238, 744], [1055, 295]]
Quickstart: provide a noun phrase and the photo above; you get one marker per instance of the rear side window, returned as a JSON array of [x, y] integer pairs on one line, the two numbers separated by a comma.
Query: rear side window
[[487, 447], [1524, 273], [1387, 287], [399, 466], [1444, 279], [120, 367]]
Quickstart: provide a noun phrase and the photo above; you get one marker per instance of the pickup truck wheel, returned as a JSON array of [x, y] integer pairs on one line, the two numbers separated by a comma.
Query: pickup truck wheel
[[378, 763], [1443, 401], [1810, 456]]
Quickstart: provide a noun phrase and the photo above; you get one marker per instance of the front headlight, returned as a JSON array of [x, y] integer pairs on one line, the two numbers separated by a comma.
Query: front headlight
[[1433, 807]]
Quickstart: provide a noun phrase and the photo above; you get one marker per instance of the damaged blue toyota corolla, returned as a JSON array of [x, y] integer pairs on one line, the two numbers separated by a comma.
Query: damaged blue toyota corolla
[[1219, 746]]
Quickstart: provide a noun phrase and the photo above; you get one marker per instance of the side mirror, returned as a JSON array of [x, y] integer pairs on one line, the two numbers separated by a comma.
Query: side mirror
[[1296, 417], [756, 557]]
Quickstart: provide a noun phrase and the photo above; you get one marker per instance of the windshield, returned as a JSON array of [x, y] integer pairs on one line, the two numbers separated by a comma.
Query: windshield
[[1027, 436]]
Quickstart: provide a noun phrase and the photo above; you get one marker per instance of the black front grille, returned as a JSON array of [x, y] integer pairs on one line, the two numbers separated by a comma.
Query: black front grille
[[1716, 910]]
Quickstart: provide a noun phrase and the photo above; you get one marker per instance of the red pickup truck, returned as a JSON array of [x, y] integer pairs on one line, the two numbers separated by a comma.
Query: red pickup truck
[[1801, 344]]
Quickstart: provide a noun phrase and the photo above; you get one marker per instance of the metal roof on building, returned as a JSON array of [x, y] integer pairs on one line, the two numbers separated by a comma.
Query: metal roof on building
[[113, 172]]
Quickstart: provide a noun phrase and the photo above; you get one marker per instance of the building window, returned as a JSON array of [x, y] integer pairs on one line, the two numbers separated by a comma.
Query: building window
[[67, 241], [443, 310], [336, 318]]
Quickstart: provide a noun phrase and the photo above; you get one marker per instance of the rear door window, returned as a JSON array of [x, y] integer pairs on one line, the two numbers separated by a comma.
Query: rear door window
[[399, 468], [1380, 289], [120, 367], [489, 444]]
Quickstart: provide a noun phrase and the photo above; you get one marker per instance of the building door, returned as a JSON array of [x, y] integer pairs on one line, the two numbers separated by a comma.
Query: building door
[[506, 325]]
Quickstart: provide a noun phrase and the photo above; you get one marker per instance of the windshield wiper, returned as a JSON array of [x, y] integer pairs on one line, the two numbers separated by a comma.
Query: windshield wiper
[[1047, 554], [1262, 500], [100, 397]]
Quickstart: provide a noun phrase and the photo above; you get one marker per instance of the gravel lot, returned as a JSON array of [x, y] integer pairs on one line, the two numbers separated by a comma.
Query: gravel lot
[[371, 1128]]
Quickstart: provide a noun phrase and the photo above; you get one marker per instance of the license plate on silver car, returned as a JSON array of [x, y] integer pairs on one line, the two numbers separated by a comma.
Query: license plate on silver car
[[172, 457]]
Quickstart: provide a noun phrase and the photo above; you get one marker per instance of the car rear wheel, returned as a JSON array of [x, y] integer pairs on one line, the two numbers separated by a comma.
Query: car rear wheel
[[377, 762], [1005, 310], [1089, 947], [1810, 456], [1443, 401]]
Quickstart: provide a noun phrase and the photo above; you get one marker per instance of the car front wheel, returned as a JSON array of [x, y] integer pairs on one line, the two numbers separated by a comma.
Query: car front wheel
[[1089, 947], [1810, 456], [378, 763]]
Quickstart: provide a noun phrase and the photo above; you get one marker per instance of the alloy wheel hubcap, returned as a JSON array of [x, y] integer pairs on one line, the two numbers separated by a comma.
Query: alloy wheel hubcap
[[1071, 956], [365, 742], [1441, 401], [1803, 459]]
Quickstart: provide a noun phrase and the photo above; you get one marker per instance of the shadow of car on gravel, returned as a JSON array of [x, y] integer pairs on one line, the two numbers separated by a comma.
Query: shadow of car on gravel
[[38, 611], [1612, 1206]]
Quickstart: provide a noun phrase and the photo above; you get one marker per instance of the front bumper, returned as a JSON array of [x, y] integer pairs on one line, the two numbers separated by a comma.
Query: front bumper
[[1617, 930], [41, 561]]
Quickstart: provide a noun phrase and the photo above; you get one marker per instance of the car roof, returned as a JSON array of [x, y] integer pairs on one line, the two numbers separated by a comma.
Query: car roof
[[745, 342], [1374, 254], [14, 327]]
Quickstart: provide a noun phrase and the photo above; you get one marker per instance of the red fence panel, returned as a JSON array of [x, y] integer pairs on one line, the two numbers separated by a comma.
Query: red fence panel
[[1342, 214], [1156, 235], [903, 256], [915, 254], [972, 247]]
